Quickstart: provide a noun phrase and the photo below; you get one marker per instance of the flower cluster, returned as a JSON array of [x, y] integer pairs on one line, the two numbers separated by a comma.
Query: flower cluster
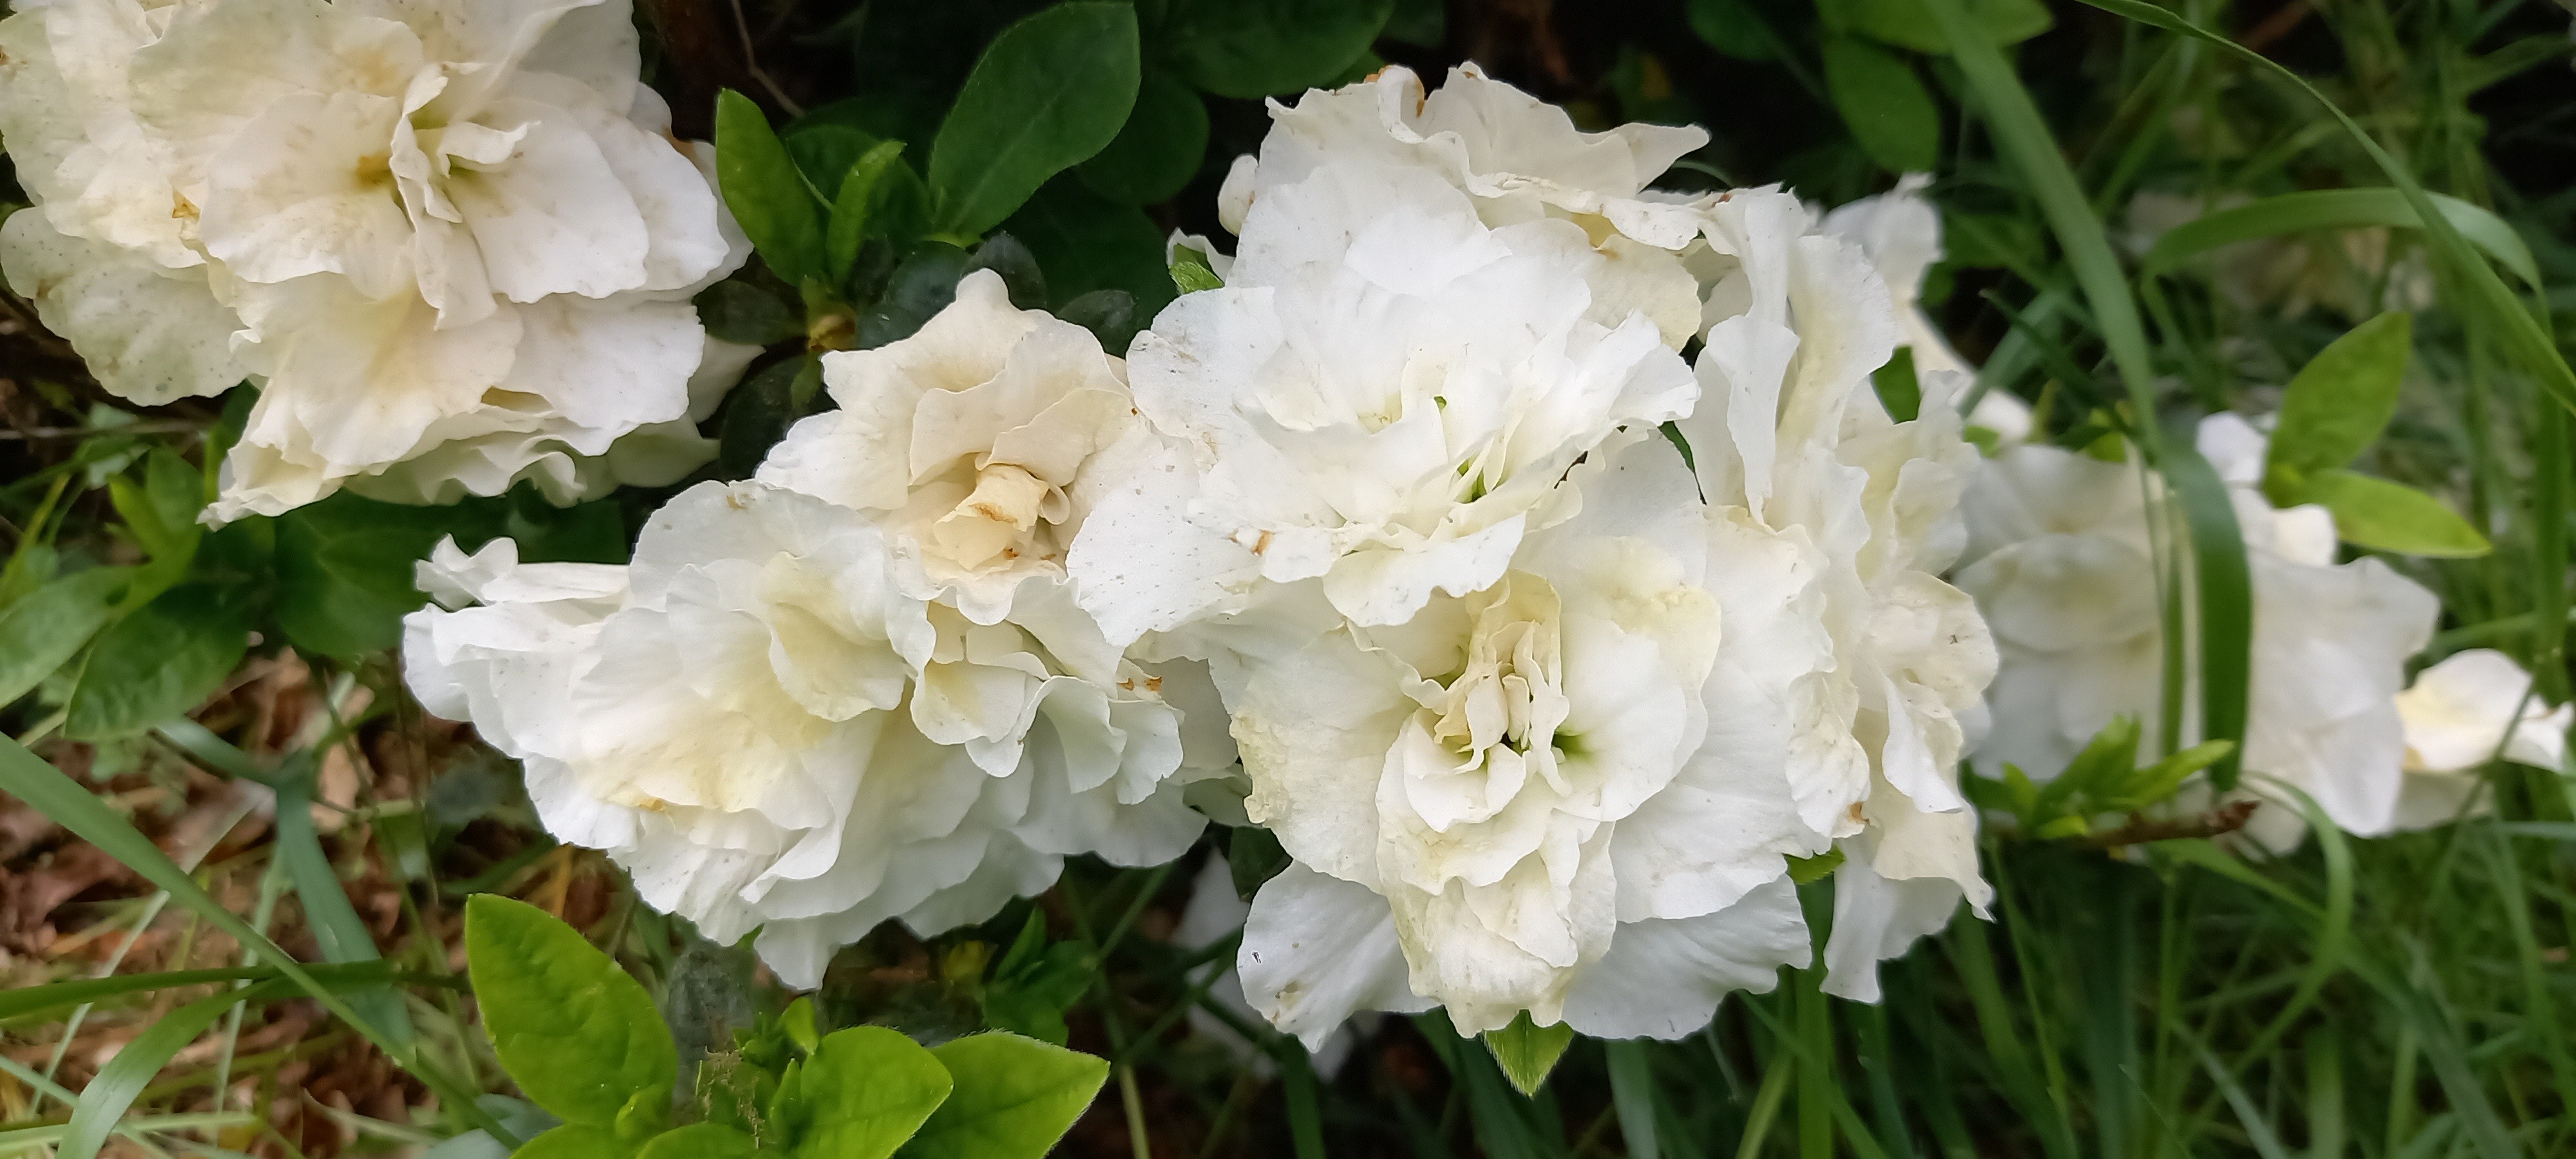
[[1544, 647], [856, 688], [453, 245]]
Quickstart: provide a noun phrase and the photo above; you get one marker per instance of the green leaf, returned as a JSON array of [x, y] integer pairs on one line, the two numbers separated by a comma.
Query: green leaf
[[758, 413], [1817, 868], [114, 1089], [765, 190], [1086, 242], [161, 660], [1732, 27], [1889, 111], [48, 626], [923, 285], [1191, 272], [870, 1089], [868, 203], [1022, 279], [1035, 982], [824, 151], [734, 310], [2338, 403], [1908, 24], [2317, 209], [2383, 516], [700, 1141], [1161, 147], [579, 1035], [1527, 1051], [576, 1141], [1258, 48], [1049, 92], [1899, 391], [1253, 856], [30, 1000], [1013, 1098], [1110, 315], [1633, 1096]]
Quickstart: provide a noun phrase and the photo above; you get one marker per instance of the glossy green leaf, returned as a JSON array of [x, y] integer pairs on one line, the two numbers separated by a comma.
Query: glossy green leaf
[[161, 660], [1884, 103], [824, 151], [1732, 27], [2337, 404], [923, 285], [115, 1086], [1900, 392], [1527, 1051], [2383, 516], [1049, 92], [865, 204], [1817, 868], [700, 1141], [766, 192], [734, 310], [576, 1141], [2317, 209], [870, 1089], [1086, 242], [1908, 24], [1160, 148], [1013, 1098], [758, 413], [1110, 315], [48, 626], [1259, 48], [576, 1032]]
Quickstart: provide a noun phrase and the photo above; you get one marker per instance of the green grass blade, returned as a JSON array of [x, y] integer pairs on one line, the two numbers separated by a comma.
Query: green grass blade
[[343, 936], [2023, 137], [104, 1101], [2488, 302], [29, 778], [2226, 602], [1632, 1093], [38, 999], [1305, 1120], [1766, 1105], [2337, 209], [2327, 950], [2258, 1130]]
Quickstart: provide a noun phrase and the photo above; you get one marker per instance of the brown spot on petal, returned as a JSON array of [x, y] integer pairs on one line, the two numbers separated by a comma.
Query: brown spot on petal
[[1854, 811], [1153, 684], [1262, 544], [181, 208]]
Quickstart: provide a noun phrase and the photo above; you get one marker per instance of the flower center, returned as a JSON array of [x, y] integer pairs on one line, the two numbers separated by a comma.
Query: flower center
[[998, 520]]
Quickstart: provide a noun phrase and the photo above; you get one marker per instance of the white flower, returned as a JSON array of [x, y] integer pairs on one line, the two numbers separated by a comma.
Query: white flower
[[1386, 395], [2459, 714], [1214, 912], [1456, 792], [1520, 158], [1901, 233], [765, 730], [2063, 567], [413, 225], [1830, 525]]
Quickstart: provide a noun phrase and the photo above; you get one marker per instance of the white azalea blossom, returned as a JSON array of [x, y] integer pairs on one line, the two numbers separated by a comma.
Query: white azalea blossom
[[448, 241], [766, 730], [1457, 792], [1830, 525], [1519, 158], [1386, 396], [2472, 707], [2063, 566]]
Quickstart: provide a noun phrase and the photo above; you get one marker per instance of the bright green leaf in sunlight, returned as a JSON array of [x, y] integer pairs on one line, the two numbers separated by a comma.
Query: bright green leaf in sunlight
[[1885, 104], [161, 660], [766, 192], [1259, 48], [576, 1032], [1527, 1051], [1049, 92], [699, 1141], [870, 1088], [2338, 403], [576, 1141], [2383, 516], [1013, 1098]]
